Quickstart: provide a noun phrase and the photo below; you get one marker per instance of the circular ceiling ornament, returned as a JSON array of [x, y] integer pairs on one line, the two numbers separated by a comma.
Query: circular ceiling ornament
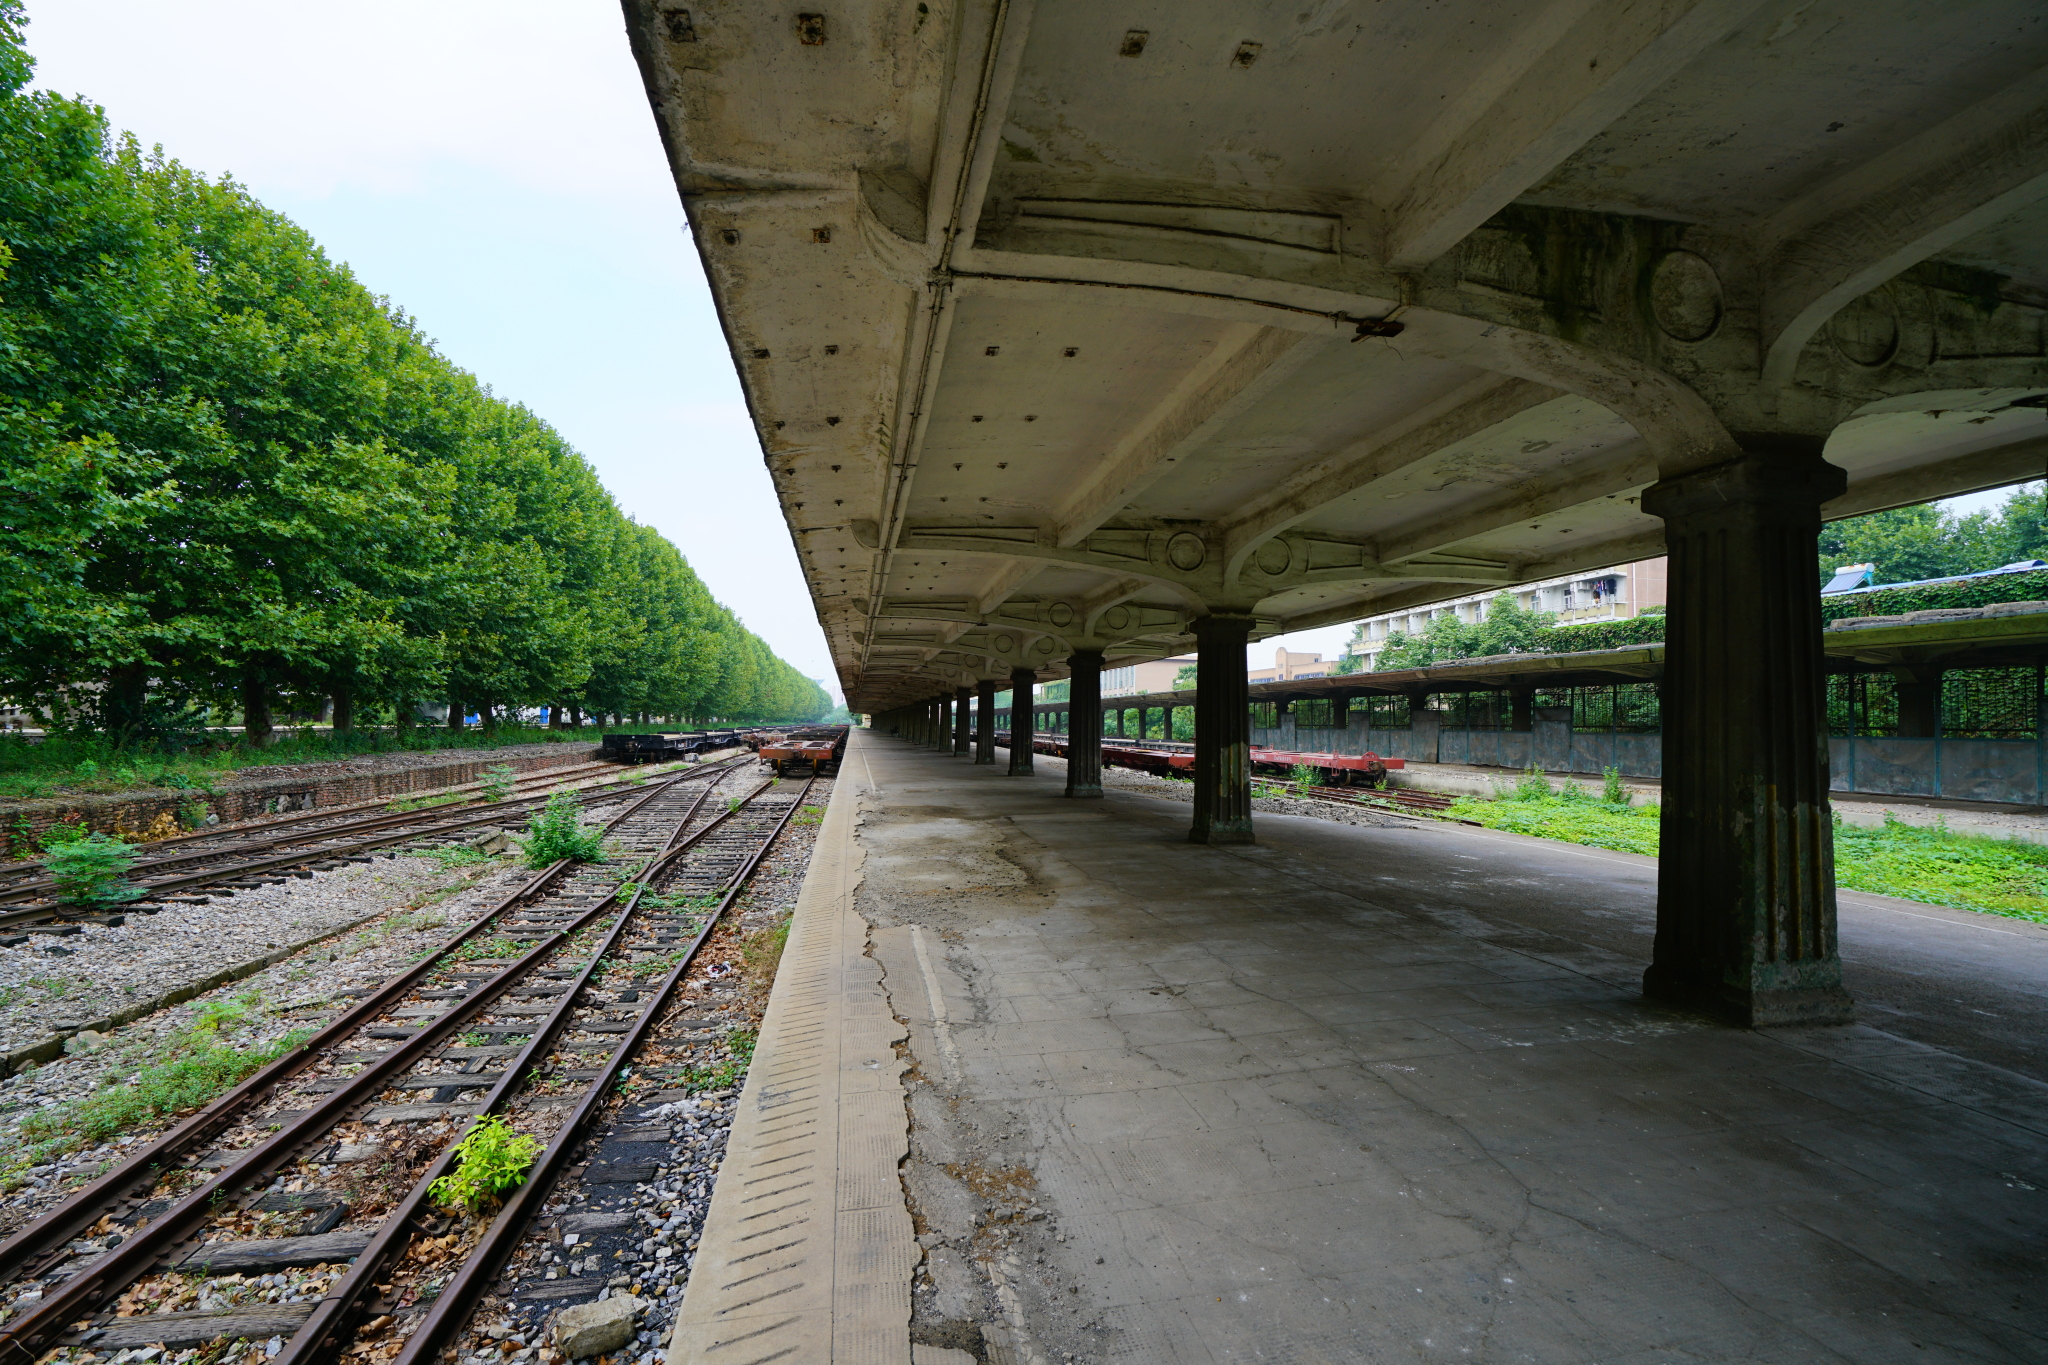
[[1116, 618], [1060, 614], [1865, 331], [1273, 558], [1685, 297], [1005, 644], [1186, 552], [1044, 646]]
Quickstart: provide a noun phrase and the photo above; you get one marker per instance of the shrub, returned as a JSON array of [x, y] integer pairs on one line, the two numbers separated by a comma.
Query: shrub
[[494, 1159], [1611, 789], [497, 783], [92, 871], [1305, 776], [554, 832]]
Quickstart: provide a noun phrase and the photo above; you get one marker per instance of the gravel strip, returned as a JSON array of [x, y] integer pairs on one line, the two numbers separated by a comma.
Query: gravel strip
[[293, 993], [641, 1238]]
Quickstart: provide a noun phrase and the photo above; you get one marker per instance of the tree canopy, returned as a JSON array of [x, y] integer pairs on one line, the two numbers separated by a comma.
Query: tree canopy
[[1507, 627], [233, 472], [1907, 544]]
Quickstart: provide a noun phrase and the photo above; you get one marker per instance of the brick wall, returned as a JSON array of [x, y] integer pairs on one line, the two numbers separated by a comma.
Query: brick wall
[[21, 825]]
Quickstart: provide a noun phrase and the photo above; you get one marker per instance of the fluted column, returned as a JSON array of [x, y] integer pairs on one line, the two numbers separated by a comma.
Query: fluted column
[[1022, 722], [1223, 790], [1745, 880], [1084, 724], [985, 721]]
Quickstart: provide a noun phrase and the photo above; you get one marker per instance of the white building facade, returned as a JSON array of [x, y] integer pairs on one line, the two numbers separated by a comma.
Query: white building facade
[[1601, 595]]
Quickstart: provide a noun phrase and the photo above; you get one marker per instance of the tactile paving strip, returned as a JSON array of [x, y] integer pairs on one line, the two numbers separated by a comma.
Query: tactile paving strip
[[808, 1250]]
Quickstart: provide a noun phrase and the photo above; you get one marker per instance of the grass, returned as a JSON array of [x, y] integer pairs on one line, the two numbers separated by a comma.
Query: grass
[[454, 856], [1930, 864], [739, 1046], [405, 805], [191, 1068], [761, 953], [90, 763]]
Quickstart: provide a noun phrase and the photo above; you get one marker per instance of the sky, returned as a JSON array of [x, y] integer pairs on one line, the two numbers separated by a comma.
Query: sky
[[495, 172]]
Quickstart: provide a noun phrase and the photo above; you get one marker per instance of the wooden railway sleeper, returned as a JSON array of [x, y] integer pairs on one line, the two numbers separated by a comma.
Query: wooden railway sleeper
[[345, 1302], [408, 829], [33, 1243], [22, 1340], [459, 1294]]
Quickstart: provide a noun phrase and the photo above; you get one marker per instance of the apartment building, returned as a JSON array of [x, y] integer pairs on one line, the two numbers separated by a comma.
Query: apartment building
[[1601, 595]]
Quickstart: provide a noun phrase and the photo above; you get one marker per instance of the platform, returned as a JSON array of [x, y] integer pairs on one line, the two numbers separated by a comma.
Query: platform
[[1382, 1093]]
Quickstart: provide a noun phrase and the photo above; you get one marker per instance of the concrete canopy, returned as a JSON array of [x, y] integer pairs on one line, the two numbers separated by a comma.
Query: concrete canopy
[[1064, 324]]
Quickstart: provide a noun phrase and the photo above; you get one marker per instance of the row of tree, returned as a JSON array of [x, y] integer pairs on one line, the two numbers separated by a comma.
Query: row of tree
[[236, 476]]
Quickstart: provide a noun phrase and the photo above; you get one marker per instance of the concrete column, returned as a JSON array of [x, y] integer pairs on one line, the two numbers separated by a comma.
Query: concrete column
[[985, 721], [1521, 703], [1084, 724], [962, 722], [942, 724], [1022, 722], [1745, 883], [1223, 788], [1919, 702]]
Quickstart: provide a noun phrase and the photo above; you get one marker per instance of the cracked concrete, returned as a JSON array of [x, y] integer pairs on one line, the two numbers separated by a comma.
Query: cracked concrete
[[1364, 1094]]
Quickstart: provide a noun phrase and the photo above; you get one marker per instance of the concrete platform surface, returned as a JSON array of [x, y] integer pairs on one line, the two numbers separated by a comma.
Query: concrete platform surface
[[1389, 1094]]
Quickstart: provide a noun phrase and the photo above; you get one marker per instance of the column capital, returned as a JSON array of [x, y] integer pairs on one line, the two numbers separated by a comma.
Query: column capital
[[1781, 471]]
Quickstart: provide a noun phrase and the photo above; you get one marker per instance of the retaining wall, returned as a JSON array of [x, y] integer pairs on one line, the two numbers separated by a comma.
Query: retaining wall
[[313, 787]]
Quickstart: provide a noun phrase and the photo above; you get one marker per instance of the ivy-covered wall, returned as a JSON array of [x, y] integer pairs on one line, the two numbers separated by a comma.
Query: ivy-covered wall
[[2031, 586]]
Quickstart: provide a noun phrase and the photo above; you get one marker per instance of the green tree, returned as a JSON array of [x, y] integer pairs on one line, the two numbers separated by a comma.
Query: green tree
[[1506, 628]]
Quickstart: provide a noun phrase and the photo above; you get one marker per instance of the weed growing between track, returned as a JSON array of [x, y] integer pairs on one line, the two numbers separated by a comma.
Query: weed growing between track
[[1932, 865], [191, 1068]]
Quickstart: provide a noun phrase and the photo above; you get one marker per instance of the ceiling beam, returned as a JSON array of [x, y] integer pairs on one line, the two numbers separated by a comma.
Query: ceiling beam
[[1484, 402], [1627, 468], [1248, 363], [2013, 462], [1852, 234], [1576, 69]]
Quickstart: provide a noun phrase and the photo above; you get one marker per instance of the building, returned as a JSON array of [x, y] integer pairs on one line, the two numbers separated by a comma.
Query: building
[[1289, 664], [1153, 675], [1601, 595]]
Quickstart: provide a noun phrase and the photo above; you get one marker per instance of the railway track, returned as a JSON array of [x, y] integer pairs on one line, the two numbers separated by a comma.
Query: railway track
[[305, 844], [530, 1014]]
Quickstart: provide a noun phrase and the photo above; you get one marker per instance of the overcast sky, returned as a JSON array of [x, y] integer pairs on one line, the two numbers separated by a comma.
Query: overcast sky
[[494, 170]]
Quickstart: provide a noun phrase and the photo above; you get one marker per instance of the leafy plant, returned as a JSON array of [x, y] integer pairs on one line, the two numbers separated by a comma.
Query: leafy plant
[[497, 783], [556, 832], [1611, 789], [493, 1160], [1303, 775], [722, 1075], [92, 871], [58, 835], [192, 814], [810, 815]]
